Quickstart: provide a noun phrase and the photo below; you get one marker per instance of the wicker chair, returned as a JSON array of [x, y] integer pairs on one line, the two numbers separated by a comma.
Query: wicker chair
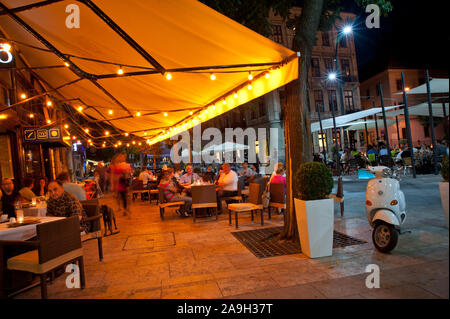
[[277, 197], [254, 204], [92, 209], [203, 196], [58, 243], [163, 203]]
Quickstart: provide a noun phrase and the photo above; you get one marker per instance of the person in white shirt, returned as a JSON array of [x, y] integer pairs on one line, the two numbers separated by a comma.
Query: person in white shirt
[[145, 176], [227, 185]]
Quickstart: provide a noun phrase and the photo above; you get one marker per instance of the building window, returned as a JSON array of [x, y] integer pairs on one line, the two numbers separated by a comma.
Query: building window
[[328, 65], [318, 100], [399, 85], [345, 65], [277, 33], [332, 99], [315, 67], [348, 99], [325, 39]]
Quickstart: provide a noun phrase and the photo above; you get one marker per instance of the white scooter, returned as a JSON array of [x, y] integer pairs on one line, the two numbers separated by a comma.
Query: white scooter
[[385, 207]]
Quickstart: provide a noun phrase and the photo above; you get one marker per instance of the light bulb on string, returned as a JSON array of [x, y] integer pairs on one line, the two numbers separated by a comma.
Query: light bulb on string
[[235, 95], [212, 77], [126, 134], [80, 109], [106, 133], [49, 121], [250, 76], [249, 87], [110, 112], [31, 115], [120, 143], [66, 126], [138, 114], [190, 113], [86, 130], [165, 114], [66, 64], [267, 75], [168, 76], [120, 70], [23, 96]]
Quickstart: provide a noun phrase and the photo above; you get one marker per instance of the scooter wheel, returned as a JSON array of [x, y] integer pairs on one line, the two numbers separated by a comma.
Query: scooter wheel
[[384, 237]]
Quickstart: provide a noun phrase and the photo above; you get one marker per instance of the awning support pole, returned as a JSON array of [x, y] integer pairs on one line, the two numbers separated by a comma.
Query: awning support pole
[[336, 152], [386, 133], [430, 120], [376, 123], [398, 131], [408, 127], [324, 144], [367, 133]]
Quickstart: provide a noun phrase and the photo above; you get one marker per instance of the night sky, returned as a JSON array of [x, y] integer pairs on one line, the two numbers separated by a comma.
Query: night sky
[[415, 35]]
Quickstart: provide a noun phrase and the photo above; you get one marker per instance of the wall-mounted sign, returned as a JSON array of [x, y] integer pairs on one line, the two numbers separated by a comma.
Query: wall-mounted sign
[[42, 135], [5, 54]]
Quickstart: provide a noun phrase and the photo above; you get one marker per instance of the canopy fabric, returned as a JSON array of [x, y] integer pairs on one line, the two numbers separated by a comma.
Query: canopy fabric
[[343, 120], [370, 125], [226, 147], [422, 109], [176, 34], [436, 86]]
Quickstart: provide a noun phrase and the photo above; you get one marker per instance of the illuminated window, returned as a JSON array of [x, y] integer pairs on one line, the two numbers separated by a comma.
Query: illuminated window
[[277, 33]]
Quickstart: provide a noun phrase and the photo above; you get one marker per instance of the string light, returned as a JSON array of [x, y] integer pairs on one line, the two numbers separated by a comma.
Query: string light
[[145, 133], [23, 96], [140, 144], [115, 145], [249, 86], [168, 76], [66, 126], [120, 143], [106, 133], [66, 64], [214, 106], [49, 121], [86, 130], [267, 75], [128, 144], [49, 103], [212, 77], [110, 112], [250, 76], [126, 134], [134, 142], [31, 115], [91, 144], [190, 113], [74, 137], [80, 108], [89, 141], [224, 102], [120, 71], [165, 113], [235, 95], [138, 114]]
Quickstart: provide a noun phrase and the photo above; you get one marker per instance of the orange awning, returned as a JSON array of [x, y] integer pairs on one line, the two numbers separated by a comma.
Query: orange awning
[[182, 37]]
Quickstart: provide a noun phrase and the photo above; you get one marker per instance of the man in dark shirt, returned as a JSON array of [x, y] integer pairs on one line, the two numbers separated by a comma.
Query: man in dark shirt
[[9, 197]]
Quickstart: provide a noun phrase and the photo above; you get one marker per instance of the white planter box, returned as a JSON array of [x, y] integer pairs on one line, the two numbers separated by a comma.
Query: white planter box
[[315, 221], [443, 188]]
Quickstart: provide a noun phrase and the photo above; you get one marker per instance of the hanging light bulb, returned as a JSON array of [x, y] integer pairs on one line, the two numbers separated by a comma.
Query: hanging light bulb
[[49, 103], [134, 142], [140, 144], [235, 95], [120, 70], [212, 77], [224, 102], [89, 141], [126, 134], [23, 96], [31, 115], [138, 113], [120, 143], [267, 75], [66, 126], [250, 76], [66, 64], [106, 133], [165, 114], [74, 137], [86, 130], [145, 133], [115, 145], [190, 113], [110, 112], [214, 106], [168, 76], [249, 86], [49, 121], [80, 109], [128, 144], [91, 144]]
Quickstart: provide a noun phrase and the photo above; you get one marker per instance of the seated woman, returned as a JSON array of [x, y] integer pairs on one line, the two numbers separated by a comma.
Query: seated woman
[[63, 204], [40, 189], [171, 192], [279, 177]]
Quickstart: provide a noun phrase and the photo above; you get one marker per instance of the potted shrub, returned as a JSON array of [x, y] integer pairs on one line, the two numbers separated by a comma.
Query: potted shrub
[[314, 209], [443, 187]]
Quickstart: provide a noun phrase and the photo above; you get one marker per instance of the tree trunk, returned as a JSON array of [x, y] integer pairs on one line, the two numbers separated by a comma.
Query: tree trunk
[[297, 124]]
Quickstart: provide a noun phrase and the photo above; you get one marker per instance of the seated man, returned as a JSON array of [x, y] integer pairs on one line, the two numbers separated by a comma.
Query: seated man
[[9, 197], [26, 192], [63, 204], [171, 193], [71, 188], [189, 177], [227, 185]]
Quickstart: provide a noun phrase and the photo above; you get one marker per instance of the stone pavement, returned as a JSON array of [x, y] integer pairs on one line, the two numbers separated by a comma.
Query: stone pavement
[[175, 258]]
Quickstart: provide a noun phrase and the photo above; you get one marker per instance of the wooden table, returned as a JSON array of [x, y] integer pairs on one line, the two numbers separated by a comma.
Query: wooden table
[[40, 210]]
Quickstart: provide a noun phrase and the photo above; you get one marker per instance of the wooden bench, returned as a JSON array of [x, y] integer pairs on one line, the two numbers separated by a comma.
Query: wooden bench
[[163, 204]]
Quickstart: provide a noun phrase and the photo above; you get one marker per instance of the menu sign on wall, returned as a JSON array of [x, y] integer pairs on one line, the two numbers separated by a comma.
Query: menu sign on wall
[[42, 135]]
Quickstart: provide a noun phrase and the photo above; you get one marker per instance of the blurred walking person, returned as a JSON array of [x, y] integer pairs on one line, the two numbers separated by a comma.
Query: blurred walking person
[[120, 182]]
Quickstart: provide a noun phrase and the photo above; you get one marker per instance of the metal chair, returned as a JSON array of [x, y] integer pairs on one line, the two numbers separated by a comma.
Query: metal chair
[[203, 196], [254, 204], [58, 243], [163, 203], [92, 209], [277, 197]]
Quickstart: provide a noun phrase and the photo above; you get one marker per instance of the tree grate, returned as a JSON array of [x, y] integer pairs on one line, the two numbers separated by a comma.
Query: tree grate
[[263, 243]]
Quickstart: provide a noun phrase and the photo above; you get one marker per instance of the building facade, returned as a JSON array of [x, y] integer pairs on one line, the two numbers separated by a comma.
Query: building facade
[[391, 83], [267, 111]]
